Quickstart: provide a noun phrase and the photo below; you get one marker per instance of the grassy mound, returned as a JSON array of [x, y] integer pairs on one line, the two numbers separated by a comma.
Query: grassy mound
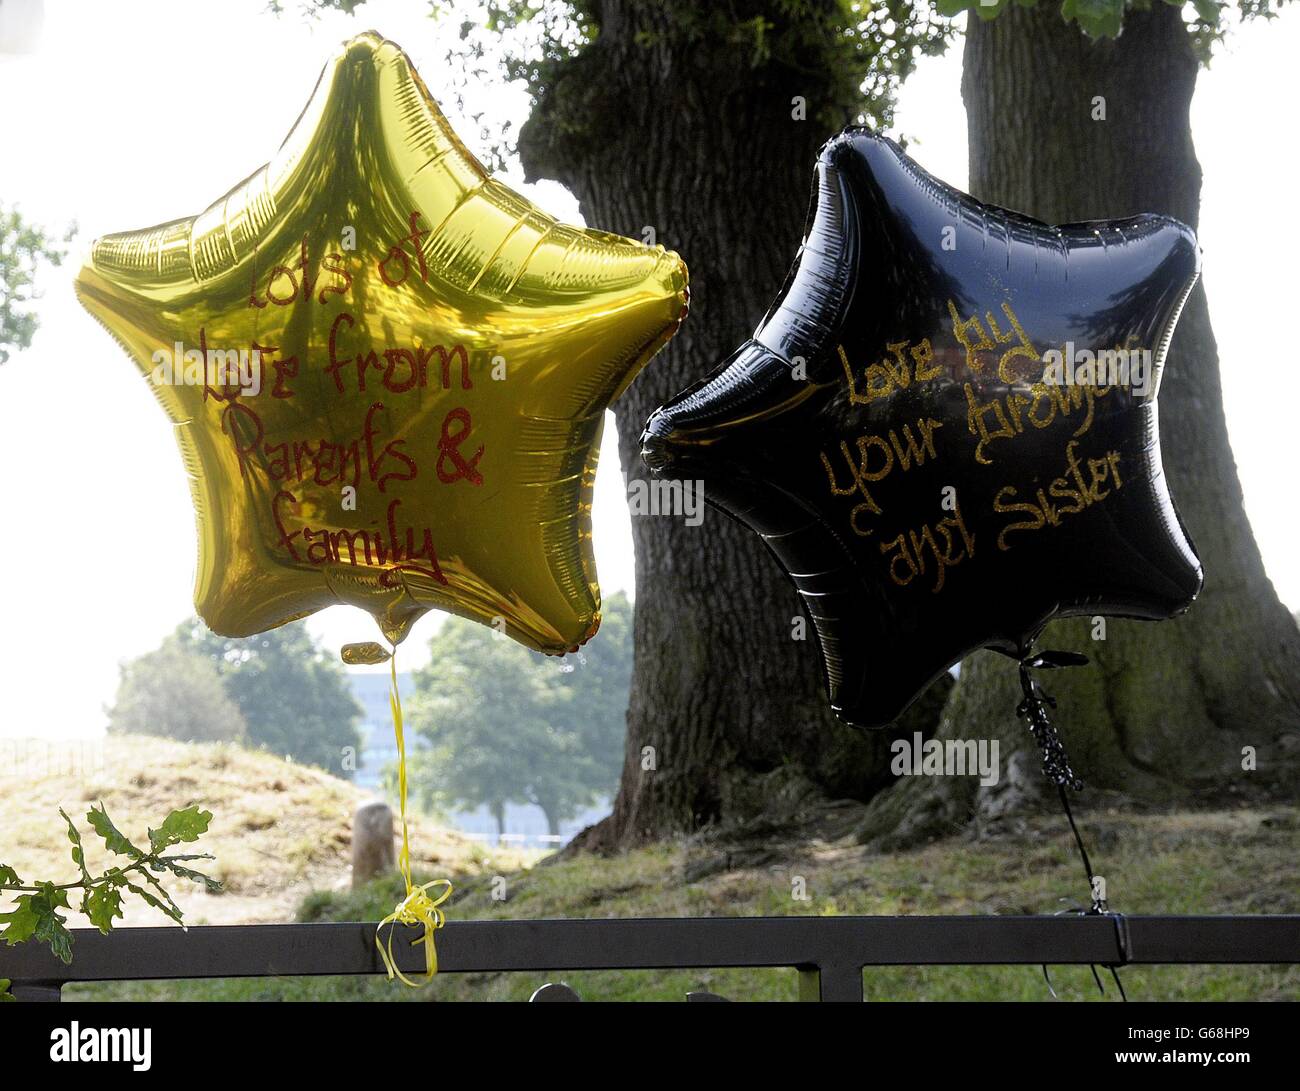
[[279, 830]]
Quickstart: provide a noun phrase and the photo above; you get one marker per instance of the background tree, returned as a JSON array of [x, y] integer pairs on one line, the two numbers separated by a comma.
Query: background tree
[[703, 122], [291, 692], [1065, 127], [23, 248], [174, 692], [506, 724], [475, 704], [597, 680]]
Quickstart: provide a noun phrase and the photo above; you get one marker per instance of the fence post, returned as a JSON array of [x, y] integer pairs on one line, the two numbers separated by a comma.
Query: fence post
[[830, 982], [372, 842]]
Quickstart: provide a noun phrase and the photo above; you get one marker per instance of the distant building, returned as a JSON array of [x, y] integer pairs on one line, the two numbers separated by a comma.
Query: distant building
[[378, 744], [525, 823]]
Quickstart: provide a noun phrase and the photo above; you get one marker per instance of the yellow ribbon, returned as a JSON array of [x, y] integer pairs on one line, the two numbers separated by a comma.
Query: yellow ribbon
[[418, 907]]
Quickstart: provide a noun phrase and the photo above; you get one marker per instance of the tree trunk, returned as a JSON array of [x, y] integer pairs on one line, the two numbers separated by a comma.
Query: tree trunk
[[498, 809], [696, 142], [1165, 707]]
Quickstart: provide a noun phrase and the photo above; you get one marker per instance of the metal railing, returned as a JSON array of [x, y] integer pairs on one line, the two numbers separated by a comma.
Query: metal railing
[[830, 953]]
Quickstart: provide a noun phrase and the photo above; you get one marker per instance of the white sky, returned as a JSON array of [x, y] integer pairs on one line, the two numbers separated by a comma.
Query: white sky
[[203, 94]]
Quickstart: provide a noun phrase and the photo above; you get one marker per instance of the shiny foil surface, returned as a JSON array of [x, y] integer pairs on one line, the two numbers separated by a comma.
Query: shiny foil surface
[[417, 363], [915, 432]]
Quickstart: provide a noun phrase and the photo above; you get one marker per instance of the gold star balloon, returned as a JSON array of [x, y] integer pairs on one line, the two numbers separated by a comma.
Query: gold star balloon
[[387, 371]]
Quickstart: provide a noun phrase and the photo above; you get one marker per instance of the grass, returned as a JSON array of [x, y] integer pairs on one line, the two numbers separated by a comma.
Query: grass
[[1238, 861]]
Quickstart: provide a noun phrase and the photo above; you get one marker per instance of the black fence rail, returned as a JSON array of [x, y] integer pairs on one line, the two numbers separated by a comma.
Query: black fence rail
[[830, 953]]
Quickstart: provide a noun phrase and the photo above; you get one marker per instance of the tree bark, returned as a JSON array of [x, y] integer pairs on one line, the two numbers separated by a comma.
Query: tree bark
[[697, 142], [1168, 707]]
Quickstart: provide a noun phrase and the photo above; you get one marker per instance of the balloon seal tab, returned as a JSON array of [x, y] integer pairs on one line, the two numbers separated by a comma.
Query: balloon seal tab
[[367, 653]]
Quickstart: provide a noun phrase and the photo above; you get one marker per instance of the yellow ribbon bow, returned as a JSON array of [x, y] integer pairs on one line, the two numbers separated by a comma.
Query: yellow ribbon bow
[[418, 907]]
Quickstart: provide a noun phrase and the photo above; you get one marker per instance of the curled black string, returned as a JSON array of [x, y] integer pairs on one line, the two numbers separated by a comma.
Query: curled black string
[[1035, 709]]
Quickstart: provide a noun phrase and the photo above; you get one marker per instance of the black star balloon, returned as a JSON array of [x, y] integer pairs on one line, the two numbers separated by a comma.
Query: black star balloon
[[945, 427]]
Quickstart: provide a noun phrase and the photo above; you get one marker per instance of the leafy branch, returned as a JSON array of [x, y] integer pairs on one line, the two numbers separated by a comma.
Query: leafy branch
[[23, 248], [36, 905], [1206, 21]]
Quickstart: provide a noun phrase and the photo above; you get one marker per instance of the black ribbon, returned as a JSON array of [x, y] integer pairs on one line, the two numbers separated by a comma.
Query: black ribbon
[[1035, 709]]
